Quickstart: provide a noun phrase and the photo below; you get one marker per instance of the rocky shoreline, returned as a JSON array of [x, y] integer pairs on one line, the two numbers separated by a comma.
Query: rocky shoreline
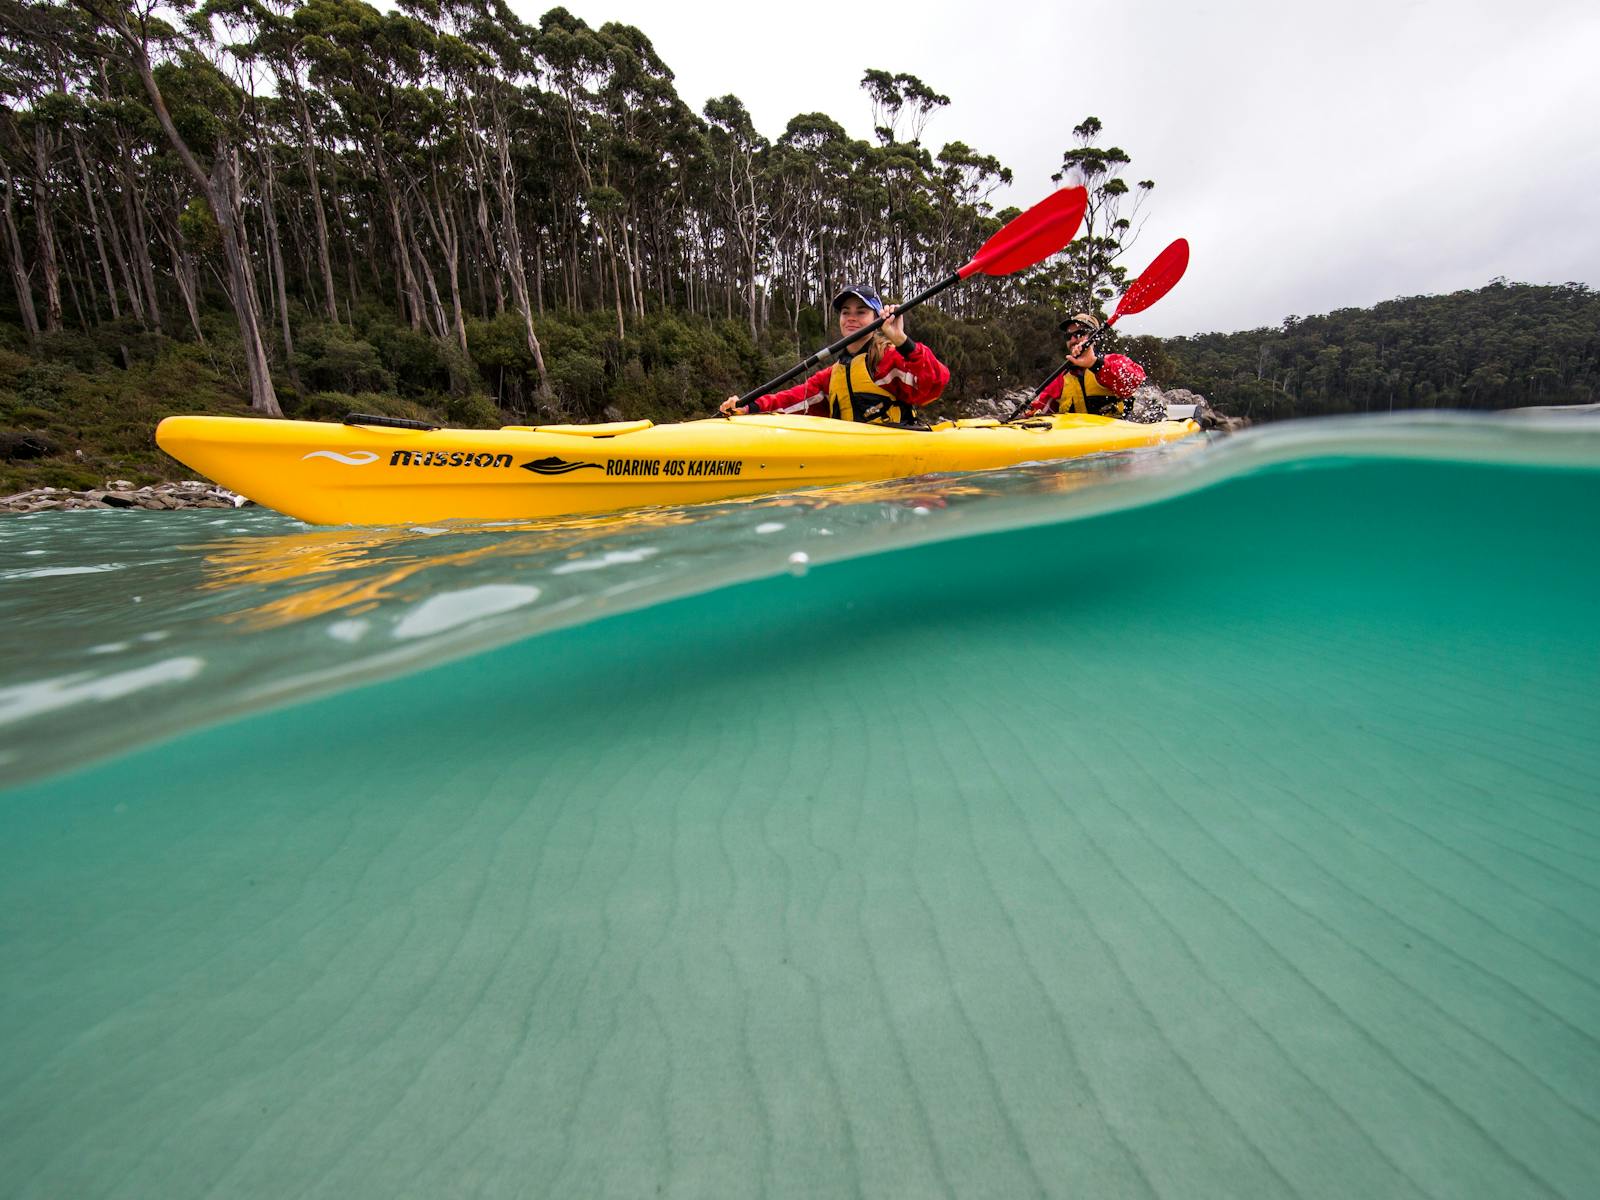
[[119, 493]]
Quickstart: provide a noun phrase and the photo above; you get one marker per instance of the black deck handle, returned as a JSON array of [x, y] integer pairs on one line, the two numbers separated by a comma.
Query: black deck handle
[[387, 422]]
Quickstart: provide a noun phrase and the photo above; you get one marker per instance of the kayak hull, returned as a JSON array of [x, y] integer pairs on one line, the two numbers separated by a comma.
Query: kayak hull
[[330, 474]]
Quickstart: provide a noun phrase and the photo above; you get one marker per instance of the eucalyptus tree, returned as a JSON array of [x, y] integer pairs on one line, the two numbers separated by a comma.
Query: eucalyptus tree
[[16, 257], [799, 171], [363, 61], [902, 172], [275, 35], [84, 125], [962, 182], [270, 119], [34, 89], [1092, 275], [475, 38], [902, 105], [737, 151], [679, 149], [210, 151], [578, 64], [645, 125], [504, 65], [18, 86], [127, 174], [436, 161]]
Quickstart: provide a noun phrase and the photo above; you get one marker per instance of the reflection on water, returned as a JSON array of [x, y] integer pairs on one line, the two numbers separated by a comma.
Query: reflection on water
[[372, 565], [258, 608]]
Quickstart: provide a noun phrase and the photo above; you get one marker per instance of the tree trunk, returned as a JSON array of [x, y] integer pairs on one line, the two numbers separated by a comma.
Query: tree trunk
[[574, 259], [19, 272], [353, 294], [139, 239], [406, 281], [513, 234], [481, 209], [119, 252], [94, 225], [72, 290], [275, 250], [88, 274], [634, 304], [441, 223], [225, 186], [538, 274], [183, 272], [436, 306], [308, 151], [45, 232], [616, 281]]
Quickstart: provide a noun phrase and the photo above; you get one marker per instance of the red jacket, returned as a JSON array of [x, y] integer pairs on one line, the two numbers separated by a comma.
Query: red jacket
[[1117, 379], [918, 379]]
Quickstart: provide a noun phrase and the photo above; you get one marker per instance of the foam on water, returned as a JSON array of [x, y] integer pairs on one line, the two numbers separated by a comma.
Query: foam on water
[[1239, 837]]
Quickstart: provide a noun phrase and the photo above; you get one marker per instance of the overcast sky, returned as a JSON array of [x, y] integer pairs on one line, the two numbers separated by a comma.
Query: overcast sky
[[1314, 158]]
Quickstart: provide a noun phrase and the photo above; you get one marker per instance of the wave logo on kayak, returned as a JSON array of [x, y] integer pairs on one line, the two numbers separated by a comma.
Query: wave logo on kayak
[[556, 466], [360, 458]]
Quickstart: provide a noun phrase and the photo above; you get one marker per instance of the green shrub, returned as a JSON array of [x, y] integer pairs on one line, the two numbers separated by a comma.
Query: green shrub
[[44, 385], [387, 404], [71, 349], [413, 360], [320, 406], [331, 358], [579, 380], [335, 406], [12, 365], [475, 411]]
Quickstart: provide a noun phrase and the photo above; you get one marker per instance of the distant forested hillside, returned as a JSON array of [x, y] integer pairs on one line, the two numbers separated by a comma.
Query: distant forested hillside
[[1502, 346]]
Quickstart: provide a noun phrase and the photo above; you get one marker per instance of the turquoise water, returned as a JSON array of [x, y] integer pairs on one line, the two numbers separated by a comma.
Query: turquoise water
[[1230, 827]]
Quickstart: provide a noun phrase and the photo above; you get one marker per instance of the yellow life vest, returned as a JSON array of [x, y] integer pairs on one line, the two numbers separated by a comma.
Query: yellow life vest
[[852, 390], [1076, 390]]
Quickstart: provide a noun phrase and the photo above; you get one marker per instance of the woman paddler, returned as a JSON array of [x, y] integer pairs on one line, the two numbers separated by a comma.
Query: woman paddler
[[881, 377], [1092, 382]]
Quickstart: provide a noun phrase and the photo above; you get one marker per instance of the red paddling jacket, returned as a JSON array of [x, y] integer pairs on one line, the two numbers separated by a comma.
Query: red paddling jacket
[[906, 377], [1115, 375]]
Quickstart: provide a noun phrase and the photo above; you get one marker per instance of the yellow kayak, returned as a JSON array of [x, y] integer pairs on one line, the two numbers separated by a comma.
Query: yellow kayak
[[370, 474]]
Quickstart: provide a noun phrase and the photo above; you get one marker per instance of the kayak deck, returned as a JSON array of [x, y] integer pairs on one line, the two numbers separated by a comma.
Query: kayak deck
[[357, 474]]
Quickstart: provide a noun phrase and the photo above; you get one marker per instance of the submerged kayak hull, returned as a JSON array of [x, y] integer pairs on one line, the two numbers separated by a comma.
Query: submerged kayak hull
[[371, 475]]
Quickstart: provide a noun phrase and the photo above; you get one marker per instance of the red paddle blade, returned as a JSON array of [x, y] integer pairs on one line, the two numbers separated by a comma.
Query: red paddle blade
[[1157, 280], [1032, 236]]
